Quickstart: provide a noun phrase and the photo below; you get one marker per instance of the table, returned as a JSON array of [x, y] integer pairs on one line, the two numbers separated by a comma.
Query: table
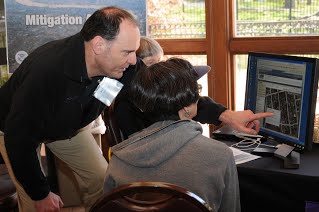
[[266, 186]]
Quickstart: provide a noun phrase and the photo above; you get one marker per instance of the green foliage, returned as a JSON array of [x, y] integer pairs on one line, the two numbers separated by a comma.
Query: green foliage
[[175, 11], [275, 10], [4, 74], [3, 80]]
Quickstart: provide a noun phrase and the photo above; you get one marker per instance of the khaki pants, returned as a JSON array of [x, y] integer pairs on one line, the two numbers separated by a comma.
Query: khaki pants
[[24, 201], [83, 156]]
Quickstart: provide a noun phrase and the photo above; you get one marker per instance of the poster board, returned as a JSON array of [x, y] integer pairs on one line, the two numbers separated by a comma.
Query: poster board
[[32, 23]]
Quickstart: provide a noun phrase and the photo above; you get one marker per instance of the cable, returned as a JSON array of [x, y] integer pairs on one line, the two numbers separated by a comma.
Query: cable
[[249, 143]]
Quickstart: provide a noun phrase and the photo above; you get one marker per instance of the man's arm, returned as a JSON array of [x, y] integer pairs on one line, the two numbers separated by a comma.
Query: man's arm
[[22, 131], [23, 135], [243, 121], [51, 203], [210, 112]]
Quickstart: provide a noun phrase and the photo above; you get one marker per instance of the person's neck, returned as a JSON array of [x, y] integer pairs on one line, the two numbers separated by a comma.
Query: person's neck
[[182, 115], [89, 60]]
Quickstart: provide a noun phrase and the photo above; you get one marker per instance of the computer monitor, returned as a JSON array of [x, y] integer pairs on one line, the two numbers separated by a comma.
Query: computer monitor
[[287, 86]]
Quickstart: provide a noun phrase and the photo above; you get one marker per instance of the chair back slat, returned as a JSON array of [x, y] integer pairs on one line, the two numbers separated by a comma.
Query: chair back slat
[[150, 196]]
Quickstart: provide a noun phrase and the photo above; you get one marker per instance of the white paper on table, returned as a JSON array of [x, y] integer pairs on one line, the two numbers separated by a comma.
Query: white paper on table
[[242, 157]]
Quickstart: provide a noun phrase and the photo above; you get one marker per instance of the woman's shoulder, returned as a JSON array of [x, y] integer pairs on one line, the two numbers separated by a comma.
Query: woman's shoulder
[[211, 145]]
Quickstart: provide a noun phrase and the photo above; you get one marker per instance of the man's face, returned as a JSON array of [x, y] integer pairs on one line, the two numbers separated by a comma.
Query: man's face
[[150, 60], [119, 53]]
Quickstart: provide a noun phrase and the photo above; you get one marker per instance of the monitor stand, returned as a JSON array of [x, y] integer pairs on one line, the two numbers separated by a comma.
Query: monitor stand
[[291, 158]]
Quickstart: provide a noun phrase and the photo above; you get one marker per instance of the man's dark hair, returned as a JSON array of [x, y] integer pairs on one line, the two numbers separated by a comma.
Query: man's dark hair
[[106, 22], [162, 89]]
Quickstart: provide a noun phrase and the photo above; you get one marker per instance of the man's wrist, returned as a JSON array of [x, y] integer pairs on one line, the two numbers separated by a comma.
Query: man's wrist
[[226, 116]]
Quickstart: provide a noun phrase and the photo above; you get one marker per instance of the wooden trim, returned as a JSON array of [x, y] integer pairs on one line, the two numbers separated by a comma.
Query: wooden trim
[[232, 18], [220, 51], [232, 71], [285, 45], [183, 46], [209, 35]]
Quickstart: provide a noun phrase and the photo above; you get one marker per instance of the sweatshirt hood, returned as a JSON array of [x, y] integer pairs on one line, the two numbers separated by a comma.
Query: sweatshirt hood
[[157, 143]]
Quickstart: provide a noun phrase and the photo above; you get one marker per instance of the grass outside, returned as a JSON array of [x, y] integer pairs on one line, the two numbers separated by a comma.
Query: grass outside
[[275, 10]]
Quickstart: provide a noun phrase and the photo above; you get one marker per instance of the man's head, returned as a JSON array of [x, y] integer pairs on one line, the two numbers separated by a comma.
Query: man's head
[[166, 88], [111, 37]]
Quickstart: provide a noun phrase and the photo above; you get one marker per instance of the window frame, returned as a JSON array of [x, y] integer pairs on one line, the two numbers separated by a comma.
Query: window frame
[[221, 46], [272, 44]]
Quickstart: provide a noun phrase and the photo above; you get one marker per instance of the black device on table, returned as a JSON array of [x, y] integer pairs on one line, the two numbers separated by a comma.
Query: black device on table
[[287, 86]]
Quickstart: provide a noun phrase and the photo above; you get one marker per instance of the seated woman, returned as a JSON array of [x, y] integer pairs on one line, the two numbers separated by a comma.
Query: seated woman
[[172, 149]]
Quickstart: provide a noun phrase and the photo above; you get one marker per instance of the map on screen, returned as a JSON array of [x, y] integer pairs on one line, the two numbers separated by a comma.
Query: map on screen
[[287, 86]]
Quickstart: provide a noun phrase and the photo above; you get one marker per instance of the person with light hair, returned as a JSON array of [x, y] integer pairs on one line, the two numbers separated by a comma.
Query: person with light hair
[[150, 51]]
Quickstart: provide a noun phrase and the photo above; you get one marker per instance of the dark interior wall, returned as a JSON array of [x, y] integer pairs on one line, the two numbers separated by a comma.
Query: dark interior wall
[[1, 8], [3, 56], [1, 5]]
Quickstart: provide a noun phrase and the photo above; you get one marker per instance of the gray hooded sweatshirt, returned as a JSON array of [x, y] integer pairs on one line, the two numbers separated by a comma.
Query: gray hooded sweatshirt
[[176, 152]]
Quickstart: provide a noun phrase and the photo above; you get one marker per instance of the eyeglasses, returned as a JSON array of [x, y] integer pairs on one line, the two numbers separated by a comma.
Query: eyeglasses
[[200, 88]]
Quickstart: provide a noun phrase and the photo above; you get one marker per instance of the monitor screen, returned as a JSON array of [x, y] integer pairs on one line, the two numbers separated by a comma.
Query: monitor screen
[[287, 86]]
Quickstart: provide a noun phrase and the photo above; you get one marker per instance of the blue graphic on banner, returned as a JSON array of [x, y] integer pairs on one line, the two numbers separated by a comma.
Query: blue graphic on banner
[[32, 23]]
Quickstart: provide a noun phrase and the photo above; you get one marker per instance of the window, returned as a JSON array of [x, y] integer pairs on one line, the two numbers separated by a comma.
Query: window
[[276, 18], [238, 42], [180, 27], [176, 19]]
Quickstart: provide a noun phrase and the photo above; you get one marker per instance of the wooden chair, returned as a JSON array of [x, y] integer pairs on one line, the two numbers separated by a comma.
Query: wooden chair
[[8, 195], [150, 196], [113, 133]]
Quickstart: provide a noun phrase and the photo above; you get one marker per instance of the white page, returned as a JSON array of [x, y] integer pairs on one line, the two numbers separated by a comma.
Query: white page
[[242, 157]]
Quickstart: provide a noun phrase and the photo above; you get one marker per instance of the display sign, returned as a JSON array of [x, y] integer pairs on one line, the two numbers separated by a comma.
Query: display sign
[[32, 23]]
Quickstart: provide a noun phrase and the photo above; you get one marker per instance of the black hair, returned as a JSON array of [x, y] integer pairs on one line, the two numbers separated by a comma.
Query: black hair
[[162, 89], [106, 22]]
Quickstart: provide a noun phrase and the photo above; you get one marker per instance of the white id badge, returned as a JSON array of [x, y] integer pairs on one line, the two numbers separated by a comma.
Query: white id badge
[[107, 90]]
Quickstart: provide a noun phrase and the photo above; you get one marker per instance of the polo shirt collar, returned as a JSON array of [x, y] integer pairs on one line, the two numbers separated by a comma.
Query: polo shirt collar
[[75, 66]]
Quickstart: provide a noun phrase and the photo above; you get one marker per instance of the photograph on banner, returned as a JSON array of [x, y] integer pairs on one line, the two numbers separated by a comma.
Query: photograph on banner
[[32, 23]]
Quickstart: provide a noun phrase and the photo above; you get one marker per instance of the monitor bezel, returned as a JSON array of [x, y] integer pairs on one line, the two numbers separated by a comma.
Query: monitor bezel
[[313, 96]]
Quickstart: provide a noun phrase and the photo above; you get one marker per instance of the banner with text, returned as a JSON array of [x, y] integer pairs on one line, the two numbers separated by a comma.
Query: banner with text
[[32, 23]]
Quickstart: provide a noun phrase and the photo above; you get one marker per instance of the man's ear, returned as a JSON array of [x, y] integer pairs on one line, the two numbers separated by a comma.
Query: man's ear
[[98, 44]]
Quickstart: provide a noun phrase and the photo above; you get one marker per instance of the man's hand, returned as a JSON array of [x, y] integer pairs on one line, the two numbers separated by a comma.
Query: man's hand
[[51, 203], [243, 121]]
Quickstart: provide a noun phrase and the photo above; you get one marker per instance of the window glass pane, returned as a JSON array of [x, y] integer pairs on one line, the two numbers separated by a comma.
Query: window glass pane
[[176, 19], [276, 17], [240, 81]]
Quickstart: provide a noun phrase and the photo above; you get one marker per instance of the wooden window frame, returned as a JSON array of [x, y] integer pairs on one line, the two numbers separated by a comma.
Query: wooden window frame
[[215, 43], [221, 46]]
